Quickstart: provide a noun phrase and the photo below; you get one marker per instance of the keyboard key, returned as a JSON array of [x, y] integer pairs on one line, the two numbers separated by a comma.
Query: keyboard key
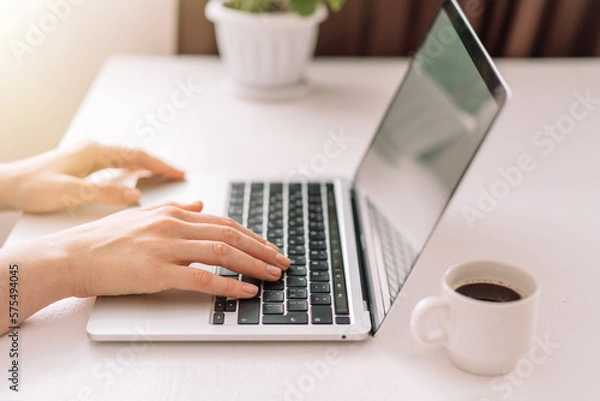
[[296, 250], [318, 255], [219, 305], [278, 241], [236, 199], [321, 314], [249, 311], [251, 280], [315, 225], [255, 220], [316, 217], [296, 271], [319, 276], [296, 281], [297, 305], [298, 260], [320, 299], [297, 231], [318, 265], [276, 187], [257, 211], [230, 305], [273, 296], [295, 240], [237, 194], [218, 318], [319, 287], [314, 188], [315, 208], [276, 214], [296, 222], [290, 318], [296, 213], [275, 223], [273, 309], [295, 203], [256, 228], [235, 210], [274, 285], [238, 186], [317, 245], [272, 238], [276, 232], [297, 293], [342, 320], [340, 297], [316, 235]]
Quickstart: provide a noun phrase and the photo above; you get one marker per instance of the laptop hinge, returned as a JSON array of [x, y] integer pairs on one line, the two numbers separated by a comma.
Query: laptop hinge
[[361, 250]]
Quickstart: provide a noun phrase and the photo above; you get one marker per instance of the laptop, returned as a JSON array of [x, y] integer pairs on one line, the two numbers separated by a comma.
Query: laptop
[[352, 243]]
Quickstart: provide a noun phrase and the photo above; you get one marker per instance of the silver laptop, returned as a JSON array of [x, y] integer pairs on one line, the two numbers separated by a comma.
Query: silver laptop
[[352, 243]]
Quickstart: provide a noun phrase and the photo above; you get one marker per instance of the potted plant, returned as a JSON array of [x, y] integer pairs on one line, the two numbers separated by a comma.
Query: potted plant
[[266, 44]]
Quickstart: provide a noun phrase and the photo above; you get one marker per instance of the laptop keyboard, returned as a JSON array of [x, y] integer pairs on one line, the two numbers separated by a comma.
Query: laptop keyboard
[[302, 220], [397, 254]]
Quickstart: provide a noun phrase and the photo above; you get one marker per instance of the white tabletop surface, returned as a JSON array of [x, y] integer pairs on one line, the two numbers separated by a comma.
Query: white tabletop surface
[[548, 224]]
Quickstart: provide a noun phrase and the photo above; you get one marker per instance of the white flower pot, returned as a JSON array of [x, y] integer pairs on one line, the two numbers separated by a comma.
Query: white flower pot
[[266, 50]]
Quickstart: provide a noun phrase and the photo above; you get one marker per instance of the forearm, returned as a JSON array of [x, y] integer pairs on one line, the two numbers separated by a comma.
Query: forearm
[[32, 276], [6, 186]]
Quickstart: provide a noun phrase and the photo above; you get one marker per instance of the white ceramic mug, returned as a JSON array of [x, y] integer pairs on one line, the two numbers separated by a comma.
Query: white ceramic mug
[[480, 337]]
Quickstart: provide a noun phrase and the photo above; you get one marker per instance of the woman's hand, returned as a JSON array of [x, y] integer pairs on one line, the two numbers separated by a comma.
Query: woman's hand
[[148, 250], [136, 251], [55, 180]]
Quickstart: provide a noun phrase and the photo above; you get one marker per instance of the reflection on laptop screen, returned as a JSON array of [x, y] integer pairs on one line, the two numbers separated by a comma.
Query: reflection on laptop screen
[[434, 125]]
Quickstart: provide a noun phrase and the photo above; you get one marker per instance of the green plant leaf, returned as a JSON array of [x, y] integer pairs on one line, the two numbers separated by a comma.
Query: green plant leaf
[[305, 7], [335, 5], [252, 6]]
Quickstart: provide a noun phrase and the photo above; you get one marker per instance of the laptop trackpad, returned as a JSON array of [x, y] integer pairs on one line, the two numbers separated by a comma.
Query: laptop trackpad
[[140, 317], [212, 191]]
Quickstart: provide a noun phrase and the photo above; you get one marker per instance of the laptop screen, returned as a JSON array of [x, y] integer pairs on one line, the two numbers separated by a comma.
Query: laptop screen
[[436, 121]]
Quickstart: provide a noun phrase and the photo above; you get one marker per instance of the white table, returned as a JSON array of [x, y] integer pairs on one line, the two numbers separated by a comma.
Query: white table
[[548, 224]]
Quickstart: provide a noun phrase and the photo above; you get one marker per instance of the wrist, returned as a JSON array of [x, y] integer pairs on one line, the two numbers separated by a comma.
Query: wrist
[[53, 264], [70, 260], [41, 277]]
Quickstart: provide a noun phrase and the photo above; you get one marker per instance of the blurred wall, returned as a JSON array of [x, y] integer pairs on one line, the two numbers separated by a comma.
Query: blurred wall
[[50, 52]]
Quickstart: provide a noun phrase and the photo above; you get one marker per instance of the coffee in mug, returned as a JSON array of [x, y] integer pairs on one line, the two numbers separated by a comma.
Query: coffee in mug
[[489, 291]]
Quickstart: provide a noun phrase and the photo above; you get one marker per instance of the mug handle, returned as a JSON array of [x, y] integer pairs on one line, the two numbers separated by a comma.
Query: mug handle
[[422, 313]]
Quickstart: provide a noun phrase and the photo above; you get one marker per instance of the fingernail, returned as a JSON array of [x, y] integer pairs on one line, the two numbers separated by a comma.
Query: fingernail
[[250, 289], [132, 195], [274, 271], [282, 260]]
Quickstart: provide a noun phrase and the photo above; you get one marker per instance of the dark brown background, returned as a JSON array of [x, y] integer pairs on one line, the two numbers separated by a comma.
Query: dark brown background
[[517, 28]]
